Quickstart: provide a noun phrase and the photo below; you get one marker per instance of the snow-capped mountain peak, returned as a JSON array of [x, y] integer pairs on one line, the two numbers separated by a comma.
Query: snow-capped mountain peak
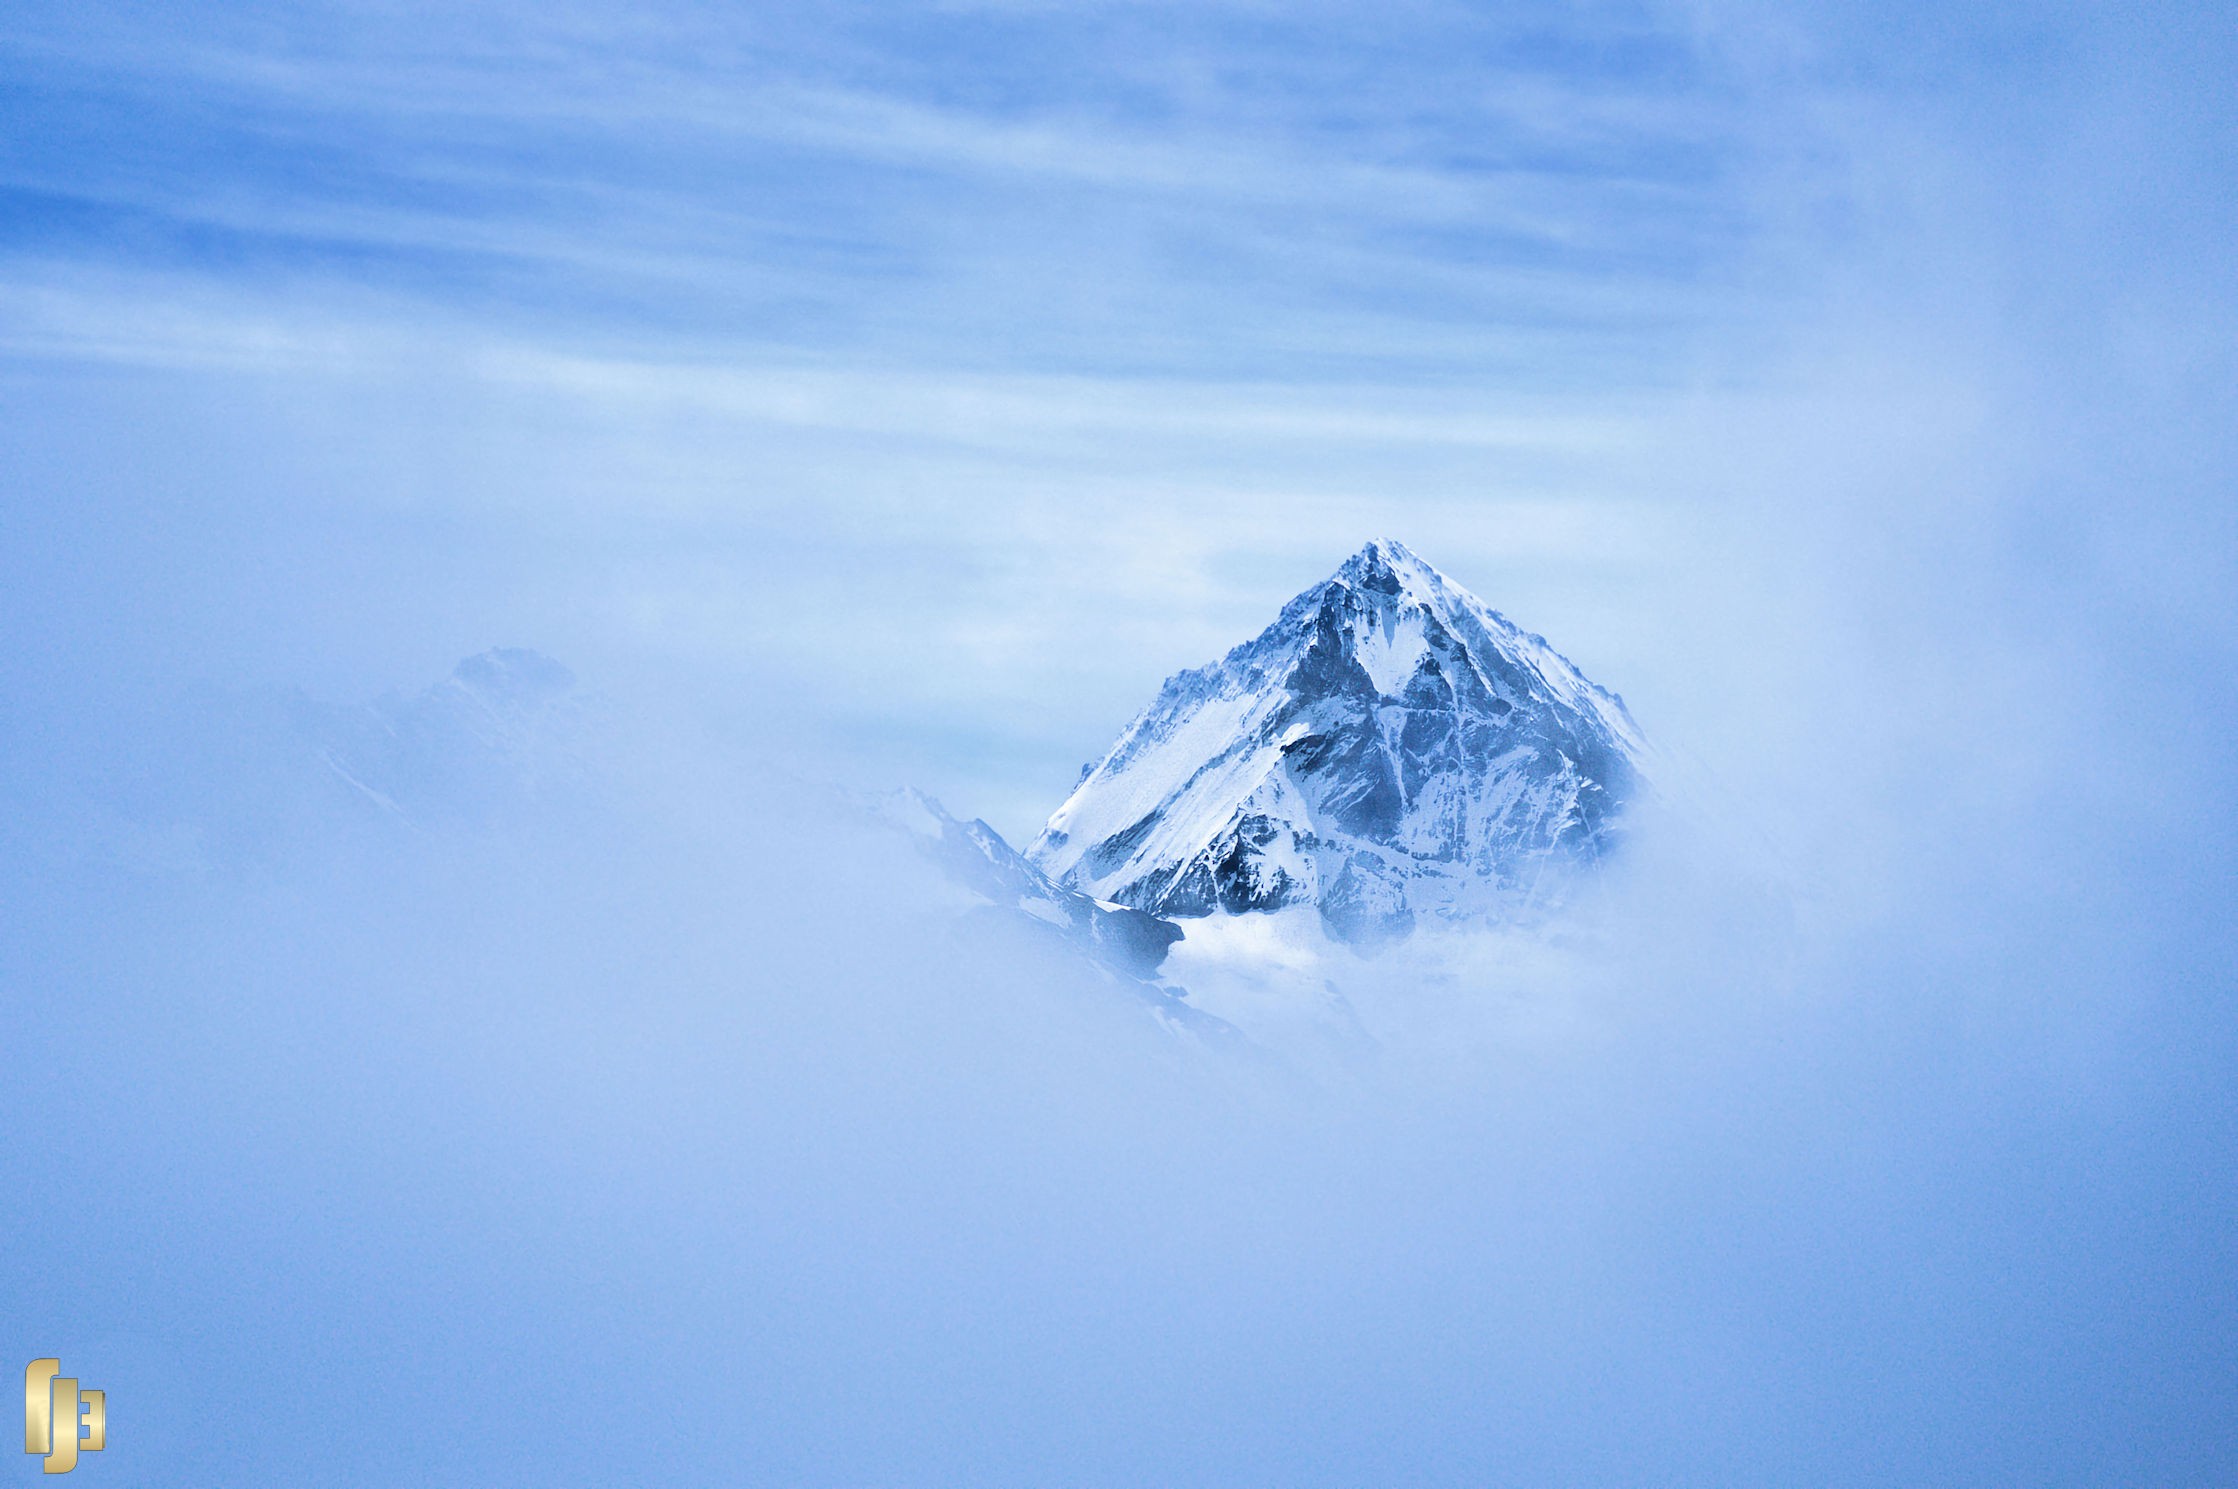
[[1389, 745]]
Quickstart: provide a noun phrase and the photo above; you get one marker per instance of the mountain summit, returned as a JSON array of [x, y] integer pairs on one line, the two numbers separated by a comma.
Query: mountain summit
[[1390, 747]]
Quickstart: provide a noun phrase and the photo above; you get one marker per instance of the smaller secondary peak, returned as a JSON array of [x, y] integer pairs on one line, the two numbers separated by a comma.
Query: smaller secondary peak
[[512, 672]]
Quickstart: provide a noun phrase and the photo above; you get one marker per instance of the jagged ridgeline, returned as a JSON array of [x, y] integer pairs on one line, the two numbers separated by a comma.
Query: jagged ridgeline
[[1389, 748]]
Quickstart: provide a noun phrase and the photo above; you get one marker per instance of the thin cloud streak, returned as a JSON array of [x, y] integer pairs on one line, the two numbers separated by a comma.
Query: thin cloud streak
[[753, 193]]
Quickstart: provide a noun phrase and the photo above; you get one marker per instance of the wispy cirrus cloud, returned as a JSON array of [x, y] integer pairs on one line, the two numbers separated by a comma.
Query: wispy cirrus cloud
[[893, 182]]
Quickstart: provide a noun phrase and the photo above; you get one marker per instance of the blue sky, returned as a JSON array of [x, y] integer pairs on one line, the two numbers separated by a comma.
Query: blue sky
[[1225, 191], [955, 372]]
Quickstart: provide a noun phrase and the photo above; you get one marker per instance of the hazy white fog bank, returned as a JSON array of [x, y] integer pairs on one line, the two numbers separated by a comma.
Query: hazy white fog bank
[[679, 1071], [572, 1092]]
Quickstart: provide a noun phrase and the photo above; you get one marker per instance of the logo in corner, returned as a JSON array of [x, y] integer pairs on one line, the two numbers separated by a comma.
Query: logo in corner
[[58, 1418]]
